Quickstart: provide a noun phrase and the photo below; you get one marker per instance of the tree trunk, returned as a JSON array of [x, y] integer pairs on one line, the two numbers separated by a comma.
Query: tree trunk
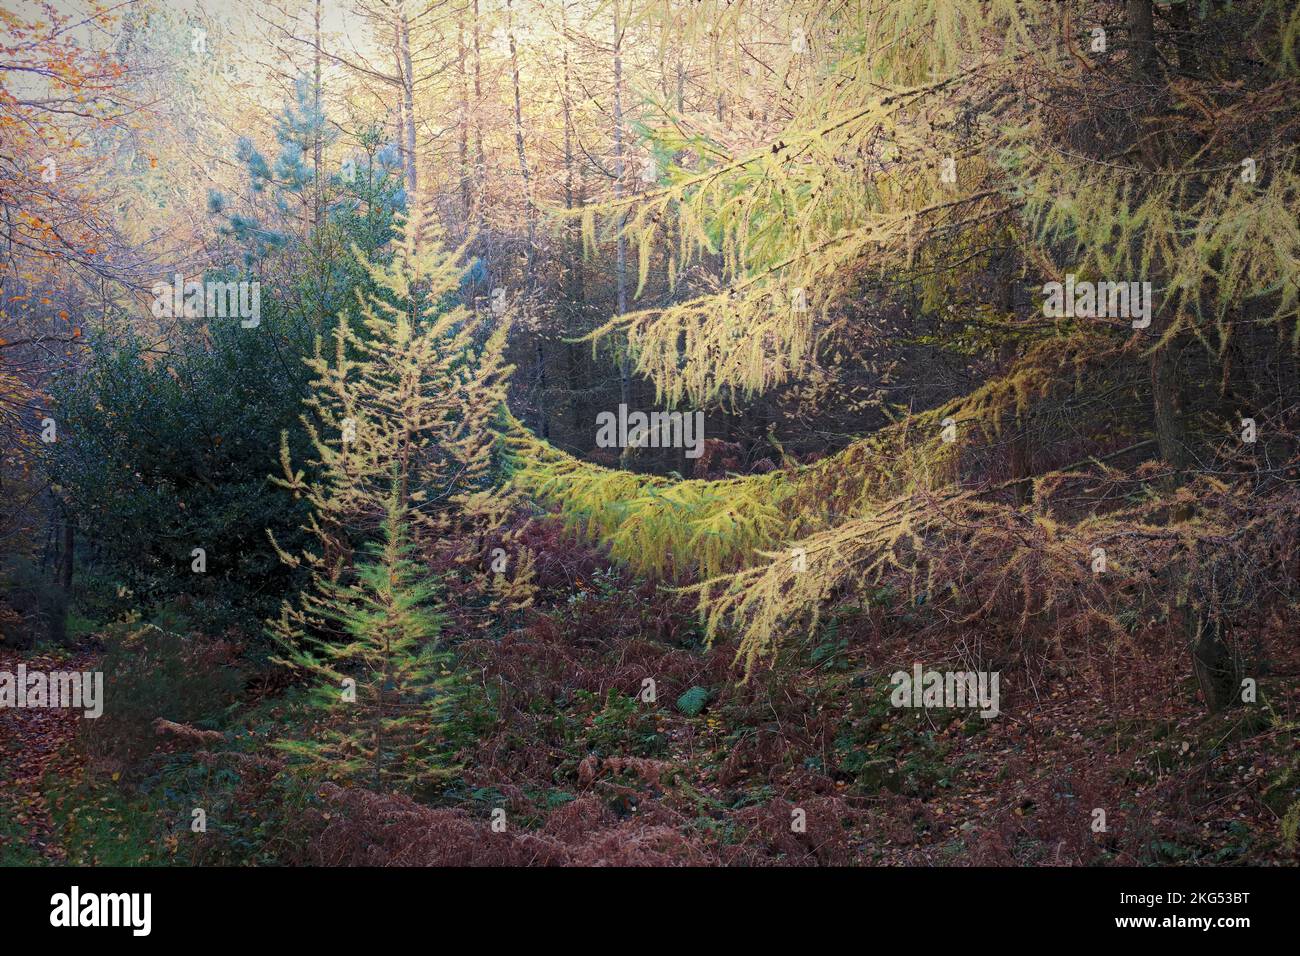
[[1141, 35], [408, 95], [572, 284], [1167, 409], [480, 157], [530, 217], [69, 540], [319, 202], [1211, 658], [1215, 667], [464, 122], [620, 267]]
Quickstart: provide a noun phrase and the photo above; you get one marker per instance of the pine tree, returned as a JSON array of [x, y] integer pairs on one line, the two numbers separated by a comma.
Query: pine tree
[[401, 418]]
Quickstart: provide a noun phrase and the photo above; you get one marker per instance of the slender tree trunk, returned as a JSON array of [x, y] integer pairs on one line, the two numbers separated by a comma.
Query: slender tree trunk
[[1167, 408], [69, 540], [401, 135], [530, 218], [1216, 669], [1166, 398], [408, 94], [1141, 35], [480, 156], [316, 145], [530, 211], [1212, 659], [463, 55], [620, 267], [573, 278]]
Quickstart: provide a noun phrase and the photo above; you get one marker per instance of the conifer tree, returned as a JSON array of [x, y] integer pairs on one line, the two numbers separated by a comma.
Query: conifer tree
[[386, 687], [401, 419], [913, 162]]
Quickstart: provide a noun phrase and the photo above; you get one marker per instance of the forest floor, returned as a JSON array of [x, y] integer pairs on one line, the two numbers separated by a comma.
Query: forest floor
[[887, 786], [36, 746], [806, 763]]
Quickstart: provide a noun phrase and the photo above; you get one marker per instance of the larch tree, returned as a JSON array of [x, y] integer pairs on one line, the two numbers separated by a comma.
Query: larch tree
[[401, 417], [1028, 142]]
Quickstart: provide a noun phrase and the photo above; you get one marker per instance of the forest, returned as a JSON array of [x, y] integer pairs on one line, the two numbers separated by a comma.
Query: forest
[[648, 433]]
